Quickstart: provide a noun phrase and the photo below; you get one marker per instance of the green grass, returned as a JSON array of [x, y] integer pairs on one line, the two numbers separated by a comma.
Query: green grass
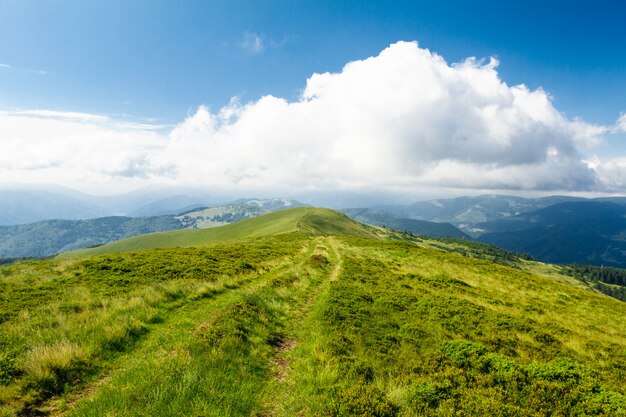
[[307, 322], [301, 219]]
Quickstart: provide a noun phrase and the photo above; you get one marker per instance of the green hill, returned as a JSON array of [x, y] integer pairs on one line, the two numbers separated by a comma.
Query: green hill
[[50, 237], [306, 313], [301, 219]]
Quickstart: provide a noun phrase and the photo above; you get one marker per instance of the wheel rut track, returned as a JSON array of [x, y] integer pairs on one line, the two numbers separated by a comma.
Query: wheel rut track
[[146, 346], [280, 362]]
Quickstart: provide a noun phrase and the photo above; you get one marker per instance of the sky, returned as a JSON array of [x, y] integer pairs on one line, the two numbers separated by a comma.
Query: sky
[[408, 98]]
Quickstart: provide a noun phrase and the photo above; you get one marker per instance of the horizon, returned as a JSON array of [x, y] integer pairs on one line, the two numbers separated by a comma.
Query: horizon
[[429, 104]]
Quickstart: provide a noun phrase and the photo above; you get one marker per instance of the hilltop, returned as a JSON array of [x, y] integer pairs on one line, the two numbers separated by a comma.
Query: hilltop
[[305, 312], [49, 237], [308, 220]]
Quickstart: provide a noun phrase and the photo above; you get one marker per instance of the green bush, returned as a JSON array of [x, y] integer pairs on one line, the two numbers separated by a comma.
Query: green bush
[[364, 401]]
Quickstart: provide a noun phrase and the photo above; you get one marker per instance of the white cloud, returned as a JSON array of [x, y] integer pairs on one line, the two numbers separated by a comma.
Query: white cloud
[[620, 125], [75, 116], [70, 148], [6, 66], [252, 43], [404, 120]]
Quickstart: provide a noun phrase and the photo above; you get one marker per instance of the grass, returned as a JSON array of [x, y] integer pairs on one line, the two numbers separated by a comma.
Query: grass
[[309, 322], [309, 220]]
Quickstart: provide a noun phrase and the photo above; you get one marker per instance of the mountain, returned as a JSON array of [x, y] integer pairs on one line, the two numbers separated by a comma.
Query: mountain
[[465, 212], [228, 213], [420, 227], [308, 220], [21, 204], [50, 237], [27, 206], [590, 232], [53, 236], [306, 312], [563, 213]]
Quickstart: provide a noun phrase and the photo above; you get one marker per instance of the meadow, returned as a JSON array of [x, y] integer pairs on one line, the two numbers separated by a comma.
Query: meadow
[[306, 322]]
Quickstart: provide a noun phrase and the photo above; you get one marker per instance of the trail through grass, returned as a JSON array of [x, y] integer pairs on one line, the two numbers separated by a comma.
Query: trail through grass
[[213, 357], [305, 325]]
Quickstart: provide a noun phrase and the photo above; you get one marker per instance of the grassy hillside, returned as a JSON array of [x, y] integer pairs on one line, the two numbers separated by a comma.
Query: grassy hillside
[[301, 219], [50, 237], [305, 322]]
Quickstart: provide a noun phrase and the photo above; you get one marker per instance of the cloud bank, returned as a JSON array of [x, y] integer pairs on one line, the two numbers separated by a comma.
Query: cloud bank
[[397, 122]]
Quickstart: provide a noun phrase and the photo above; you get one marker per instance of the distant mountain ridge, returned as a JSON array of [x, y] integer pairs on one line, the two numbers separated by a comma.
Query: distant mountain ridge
[[465, 212], [50, 237], [392, 221], [29, 205], [589, 232], [556, 229]]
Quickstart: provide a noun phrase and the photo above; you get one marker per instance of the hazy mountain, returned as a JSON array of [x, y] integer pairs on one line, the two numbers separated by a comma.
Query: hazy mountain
[[25, 206], [49, 237], [420, 227], [464, 212], [563, 213], [29, 204], [588, 232], [53, 236]]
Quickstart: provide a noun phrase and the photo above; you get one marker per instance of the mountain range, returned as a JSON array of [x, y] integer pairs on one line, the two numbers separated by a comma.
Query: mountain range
[[557, 229], [19, 205], [554, 229], [590, 232], [392, 221], [50, 237]]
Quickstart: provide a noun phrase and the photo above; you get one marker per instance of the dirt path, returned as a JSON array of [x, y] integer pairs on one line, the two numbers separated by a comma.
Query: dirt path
[[279, 393], [184, 318]]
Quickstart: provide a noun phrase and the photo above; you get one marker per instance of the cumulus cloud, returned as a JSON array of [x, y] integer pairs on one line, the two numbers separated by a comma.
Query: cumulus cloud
[[402, 120]]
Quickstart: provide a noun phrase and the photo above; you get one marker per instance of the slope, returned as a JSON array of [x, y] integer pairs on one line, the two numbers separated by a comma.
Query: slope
[[301, 219], [304, 324], [49, 237], [558, 214], [420, 227], [588, 232], [467, 211]]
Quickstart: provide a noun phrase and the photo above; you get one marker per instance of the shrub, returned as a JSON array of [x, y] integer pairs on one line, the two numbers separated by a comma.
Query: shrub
[[362, 400], [463, 353], [427, 395]]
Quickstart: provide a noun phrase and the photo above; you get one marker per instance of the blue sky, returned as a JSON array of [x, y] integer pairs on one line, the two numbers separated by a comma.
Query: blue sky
[[161, 58], [160, 61]]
